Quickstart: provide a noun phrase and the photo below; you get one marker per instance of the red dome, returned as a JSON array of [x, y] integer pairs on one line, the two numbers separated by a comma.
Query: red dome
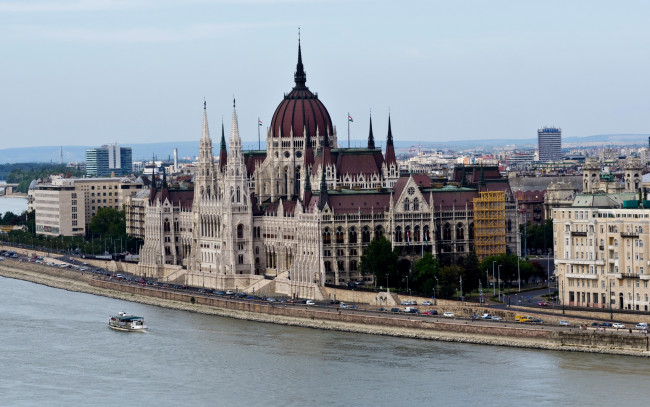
[[301, 109]]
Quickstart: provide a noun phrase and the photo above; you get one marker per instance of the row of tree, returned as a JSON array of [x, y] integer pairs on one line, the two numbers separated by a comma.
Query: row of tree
[[538, 238], [428, 278], [24, 173]]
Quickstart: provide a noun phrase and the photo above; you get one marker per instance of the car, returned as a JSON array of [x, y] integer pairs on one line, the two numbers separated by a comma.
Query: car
[[201, 290], [486, 316], [618, 325], [395, 310], [335, 302], [641, 325], [564, 323], [413, 302], [496, 318], [542, 304], [605, 324], [405, 302], [352, 307], [382, 309], [432, 312], [217, 292], [229, 292], [448, 314], [426, 303], [595, 324], [310, 302], [538, 321], [343, 305], [270, 299]]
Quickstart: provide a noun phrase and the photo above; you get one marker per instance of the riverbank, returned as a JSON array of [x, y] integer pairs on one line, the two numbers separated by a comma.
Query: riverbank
[[330, 319]]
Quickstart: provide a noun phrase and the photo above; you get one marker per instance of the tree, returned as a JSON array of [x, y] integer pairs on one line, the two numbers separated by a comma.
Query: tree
[[108, 222], [450, 280], [425, 272], [471, 272], [379, 259]]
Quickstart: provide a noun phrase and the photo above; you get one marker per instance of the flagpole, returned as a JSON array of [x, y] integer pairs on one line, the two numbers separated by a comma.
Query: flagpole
[[259, 145], [348, 120]]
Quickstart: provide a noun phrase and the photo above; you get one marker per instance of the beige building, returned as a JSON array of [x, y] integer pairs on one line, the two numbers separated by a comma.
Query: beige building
[[65, 206]]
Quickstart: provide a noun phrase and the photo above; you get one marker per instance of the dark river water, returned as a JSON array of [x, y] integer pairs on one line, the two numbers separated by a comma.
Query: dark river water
[[56, 350]]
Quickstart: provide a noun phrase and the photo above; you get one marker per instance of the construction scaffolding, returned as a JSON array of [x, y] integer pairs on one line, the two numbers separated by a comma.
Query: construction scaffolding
[[490, 224]]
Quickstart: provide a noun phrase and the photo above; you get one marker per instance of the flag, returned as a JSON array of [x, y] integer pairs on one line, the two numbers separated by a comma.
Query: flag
[[408, 237], [259, 122], [426, 237], [350, 118]]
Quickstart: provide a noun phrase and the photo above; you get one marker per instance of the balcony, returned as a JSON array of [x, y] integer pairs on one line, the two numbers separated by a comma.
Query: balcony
[[627, 275], [601, 247], [629, 234], [575, 233]]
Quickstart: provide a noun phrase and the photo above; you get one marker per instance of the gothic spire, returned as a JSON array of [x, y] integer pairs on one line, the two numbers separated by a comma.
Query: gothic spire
[[390, 148], [371, 138], [223, 153], [323, 198], [300, 77]]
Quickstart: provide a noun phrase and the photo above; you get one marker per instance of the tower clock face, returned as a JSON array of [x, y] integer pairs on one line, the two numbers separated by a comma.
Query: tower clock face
[[411, 191]]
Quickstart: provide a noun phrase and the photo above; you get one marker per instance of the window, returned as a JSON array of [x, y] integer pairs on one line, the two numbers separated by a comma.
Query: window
[[352, 238], [240, 231]]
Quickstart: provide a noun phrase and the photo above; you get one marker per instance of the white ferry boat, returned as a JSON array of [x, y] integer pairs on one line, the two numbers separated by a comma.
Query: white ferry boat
[[129, 323]]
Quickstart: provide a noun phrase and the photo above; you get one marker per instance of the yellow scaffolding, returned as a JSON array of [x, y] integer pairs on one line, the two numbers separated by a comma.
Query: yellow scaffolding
[[490, 224]]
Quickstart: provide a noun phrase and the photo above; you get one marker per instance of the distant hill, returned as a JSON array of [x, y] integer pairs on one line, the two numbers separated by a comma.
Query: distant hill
[[190, 149]]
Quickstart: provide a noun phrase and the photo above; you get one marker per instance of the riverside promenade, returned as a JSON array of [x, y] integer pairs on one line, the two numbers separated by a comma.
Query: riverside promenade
[[368, 322]]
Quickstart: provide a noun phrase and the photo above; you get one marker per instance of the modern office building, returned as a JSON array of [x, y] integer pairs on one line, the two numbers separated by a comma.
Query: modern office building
[[549, 141], [109, 159]]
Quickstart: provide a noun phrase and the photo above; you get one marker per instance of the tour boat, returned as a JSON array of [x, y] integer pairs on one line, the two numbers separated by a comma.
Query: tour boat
[[129, 323]]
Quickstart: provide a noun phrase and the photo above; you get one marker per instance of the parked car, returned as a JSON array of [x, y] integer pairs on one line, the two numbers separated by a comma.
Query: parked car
[[405, 302], [618, 325], [605, 324], [229, 292], [496, 318], [432, 312], [542, 304], [395, 310], [641, 325], [564, 323], [426, 303], [382, 309], [310, 302], [448, 314]]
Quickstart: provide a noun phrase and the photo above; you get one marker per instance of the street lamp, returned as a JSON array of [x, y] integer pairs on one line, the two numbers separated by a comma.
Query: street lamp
[[493, 287], [499, 280], [387, 290]]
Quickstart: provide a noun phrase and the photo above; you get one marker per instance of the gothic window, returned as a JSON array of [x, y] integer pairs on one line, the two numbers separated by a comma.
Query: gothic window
[[238, 195], [406, 204], [460, 232], [352, 235], [509, 225], [341, 265], [339, 235], [398, 234], [327, 238], [166, 227], [425, 234], [365, 235], [353, 266], [416, 234], [257, 250], [407, 234], [379, 232], [328, 267], [240, 231], [446, 232], [416, 204], [240, 259]]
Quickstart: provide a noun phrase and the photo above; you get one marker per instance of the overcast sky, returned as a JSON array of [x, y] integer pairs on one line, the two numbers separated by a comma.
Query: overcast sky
[[91, 72]]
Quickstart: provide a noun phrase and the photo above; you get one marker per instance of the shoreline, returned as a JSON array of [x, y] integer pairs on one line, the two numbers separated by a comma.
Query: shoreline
[[72, 281]]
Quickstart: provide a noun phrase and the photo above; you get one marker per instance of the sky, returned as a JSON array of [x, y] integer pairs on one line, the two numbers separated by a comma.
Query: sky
[[81, 72]]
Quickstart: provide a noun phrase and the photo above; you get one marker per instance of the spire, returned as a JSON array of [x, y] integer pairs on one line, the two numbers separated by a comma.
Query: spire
[[326, 157], [307, 181], [205, 134], [234, 130], [164, 194], [223, 153], [323, 197], [300, 77], [307, 193], [371, 138], [390, 149], [309, 151]]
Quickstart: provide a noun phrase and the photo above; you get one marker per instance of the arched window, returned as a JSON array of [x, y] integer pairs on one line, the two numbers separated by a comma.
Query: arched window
[[166, 226], [365, 235], [353, 267], [407, 234], [398, 234], [425, 234], [416, 233], [352, 238], [339, 235], [407, 204], [460, 232], [238, 195], [328, 267], [379, 232], [327, 238], [240, 231], [416, 204], [341, 265], [446, 232]]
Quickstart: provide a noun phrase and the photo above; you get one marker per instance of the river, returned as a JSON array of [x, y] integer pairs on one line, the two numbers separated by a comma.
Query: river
[[56, 349], [12, 204]]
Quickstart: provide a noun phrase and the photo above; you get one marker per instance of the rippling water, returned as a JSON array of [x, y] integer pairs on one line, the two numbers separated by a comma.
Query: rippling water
[[56, 349]]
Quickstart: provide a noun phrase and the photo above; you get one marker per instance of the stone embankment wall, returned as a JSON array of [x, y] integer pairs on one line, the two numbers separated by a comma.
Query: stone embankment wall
[[529, 336]]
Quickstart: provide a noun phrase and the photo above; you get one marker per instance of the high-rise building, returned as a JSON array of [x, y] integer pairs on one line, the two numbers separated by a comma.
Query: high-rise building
[[549, 141], [108, 159]]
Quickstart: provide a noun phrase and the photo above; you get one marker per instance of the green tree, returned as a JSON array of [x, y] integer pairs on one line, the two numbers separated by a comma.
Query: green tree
[[471, 272], [379, 258], [450, 280], [425, 272], [108, 222]]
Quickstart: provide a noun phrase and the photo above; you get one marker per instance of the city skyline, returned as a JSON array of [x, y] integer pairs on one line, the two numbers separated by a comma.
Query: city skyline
[[83, 72]]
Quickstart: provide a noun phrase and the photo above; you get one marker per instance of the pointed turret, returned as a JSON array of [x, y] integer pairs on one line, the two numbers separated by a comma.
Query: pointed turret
[[307, 195], [371, 138], [300, 77], [223, 153], [236, 159], [323, 198], [164, 192], [309, 151], [390, 149], [326, 156]]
